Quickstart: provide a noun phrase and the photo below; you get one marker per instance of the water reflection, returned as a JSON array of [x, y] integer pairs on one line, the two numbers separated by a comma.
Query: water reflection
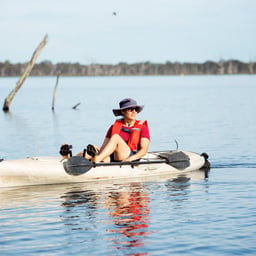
[[178, 188], [76, 198], [178, 184], [121, 217], [124, 210], [130, 215], [80, 209]]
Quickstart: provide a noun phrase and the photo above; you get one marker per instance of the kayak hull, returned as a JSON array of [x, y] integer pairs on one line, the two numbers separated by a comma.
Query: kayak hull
[[50, 170]]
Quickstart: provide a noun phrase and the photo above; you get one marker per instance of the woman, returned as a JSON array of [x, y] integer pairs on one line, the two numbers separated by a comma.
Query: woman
[[127, 139]]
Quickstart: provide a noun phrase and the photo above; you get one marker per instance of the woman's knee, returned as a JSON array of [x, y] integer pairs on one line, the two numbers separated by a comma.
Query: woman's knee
[[116, 137]]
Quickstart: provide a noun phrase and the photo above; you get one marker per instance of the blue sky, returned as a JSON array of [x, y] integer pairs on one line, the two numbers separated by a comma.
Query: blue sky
[[86, 31]]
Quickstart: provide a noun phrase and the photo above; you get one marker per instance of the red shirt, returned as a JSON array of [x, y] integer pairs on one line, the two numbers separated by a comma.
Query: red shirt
[[125, 132]]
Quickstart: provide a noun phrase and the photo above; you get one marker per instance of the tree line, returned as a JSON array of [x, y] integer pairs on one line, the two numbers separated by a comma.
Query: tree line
[[47, 68]]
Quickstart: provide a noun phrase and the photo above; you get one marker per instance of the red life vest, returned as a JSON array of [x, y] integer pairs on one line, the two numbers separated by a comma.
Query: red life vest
[[134, 139]]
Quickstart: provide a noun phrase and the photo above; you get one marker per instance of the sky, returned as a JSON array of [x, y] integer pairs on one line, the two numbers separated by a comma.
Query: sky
[[114, 31]]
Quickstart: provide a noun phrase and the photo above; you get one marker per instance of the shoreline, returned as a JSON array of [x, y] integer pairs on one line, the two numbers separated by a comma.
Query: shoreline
[[47, 68]]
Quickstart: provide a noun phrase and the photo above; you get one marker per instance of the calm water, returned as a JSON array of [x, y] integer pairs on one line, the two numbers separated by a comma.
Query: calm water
[[178, 215]]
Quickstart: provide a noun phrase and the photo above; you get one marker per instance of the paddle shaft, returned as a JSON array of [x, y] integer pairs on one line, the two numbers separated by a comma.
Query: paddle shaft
[[161, 161]]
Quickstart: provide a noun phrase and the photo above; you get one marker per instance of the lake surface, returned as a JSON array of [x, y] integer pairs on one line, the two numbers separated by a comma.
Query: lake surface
[[191, 214]]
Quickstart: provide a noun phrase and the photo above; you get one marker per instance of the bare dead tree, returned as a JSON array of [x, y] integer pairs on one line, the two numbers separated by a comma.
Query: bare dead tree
[[25, 74]]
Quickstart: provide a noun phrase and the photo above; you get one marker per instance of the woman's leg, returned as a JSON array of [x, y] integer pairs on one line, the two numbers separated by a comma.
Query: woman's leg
[[115, 145]]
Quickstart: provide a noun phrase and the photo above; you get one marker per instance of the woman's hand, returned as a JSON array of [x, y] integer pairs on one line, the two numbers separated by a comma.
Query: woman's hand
[[128, 159]]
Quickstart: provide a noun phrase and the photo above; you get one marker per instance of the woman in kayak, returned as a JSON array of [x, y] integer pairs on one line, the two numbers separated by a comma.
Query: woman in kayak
[[127, 139]]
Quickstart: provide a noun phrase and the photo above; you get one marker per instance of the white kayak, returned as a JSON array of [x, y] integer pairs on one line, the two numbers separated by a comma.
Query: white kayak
[[56, 170]]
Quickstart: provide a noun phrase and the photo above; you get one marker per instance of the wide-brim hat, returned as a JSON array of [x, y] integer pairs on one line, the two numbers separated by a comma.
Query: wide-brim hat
[[127, 103]]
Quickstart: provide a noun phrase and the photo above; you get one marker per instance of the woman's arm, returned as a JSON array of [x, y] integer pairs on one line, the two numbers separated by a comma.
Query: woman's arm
[[144, 144]]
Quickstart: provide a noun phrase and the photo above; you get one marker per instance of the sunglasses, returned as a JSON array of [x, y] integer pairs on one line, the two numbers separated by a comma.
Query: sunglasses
[[137, 109]]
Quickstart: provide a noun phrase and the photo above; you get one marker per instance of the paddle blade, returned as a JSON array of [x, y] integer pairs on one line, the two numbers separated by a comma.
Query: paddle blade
[[177, 159], [77, 165]]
